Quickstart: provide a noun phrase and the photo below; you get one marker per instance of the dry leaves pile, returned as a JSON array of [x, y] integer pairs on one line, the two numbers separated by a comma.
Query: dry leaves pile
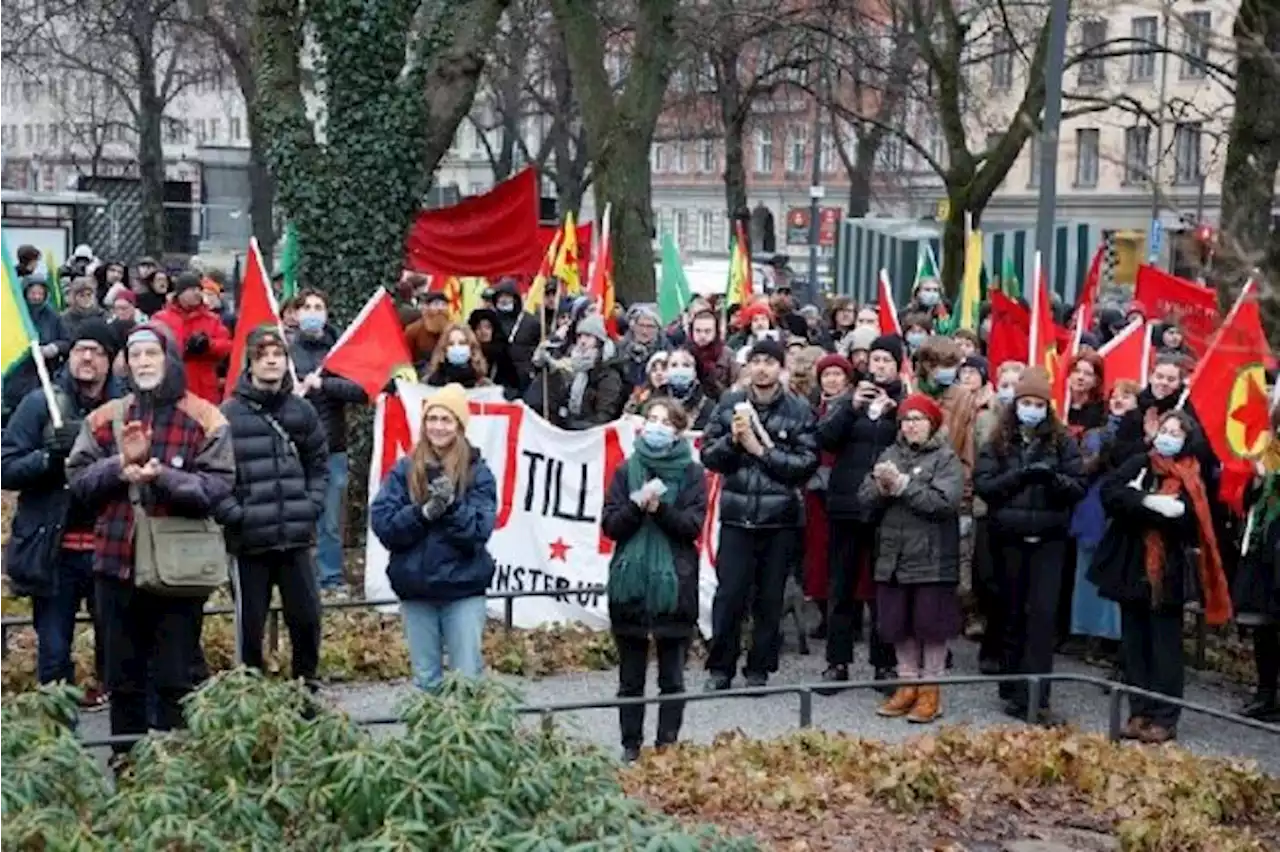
[[357, 645], [827, 791]]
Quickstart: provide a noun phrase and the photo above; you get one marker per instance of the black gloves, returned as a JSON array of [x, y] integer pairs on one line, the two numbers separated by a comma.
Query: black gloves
[[63, 439], [198, 343], [1039, 472]]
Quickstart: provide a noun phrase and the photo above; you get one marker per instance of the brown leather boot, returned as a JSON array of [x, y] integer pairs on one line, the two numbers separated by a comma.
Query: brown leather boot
[[900, 703], [928, 705]]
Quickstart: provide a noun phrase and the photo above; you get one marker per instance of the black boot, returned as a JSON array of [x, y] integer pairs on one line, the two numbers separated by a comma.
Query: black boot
[[886, 674], [820, 631]]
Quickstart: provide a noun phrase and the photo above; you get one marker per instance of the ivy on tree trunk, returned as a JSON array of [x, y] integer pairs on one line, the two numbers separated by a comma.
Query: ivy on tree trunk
[[619, 129], [393, 79]]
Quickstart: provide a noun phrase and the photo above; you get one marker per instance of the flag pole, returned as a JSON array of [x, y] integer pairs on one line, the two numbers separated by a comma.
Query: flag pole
[[42, 370]]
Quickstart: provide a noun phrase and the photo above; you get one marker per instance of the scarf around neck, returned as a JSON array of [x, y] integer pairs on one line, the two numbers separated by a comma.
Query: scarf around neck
[[643, 568], [1183, 474]]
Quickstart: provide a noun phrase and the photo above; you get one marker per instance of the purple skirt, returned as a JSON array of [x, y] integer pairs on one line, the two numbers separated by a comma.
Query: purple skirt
[[928, 612]]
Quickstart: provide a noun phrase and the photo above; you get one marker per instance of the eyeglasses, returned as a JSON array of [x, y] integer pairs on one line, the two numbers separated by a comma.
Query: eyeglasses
[[86, 347]]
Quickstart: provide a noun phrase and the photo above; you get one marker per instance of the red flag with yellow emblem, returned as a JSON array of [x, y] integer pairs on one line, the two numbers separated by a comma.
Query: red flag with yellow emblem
[[1228, 391]]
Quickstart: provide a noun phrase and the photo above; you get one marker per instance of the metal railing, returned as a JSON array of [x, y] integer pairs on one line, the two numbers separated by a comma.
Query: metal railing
[[508, 598], [1036, 683]]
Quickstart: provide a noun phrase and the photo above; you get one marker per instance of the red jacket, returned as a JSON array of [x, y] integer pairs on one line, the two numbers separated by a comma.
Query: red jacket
[[202, 369]]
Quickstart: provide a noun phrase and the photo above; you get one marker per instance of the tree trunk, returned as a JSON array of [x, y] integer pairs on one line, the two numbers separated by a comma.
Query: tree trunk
[[735, 165], [864, 165], [952, 259], [624, 180], [150, 146], [262, 187], [1252, 158]]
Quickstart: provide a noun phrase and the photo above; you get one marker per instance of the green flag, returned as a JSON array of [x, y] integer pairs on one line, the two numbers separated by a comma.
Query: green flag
[[289, 263], [673, 290], [926, 265], [1009, 282], [54, 285]]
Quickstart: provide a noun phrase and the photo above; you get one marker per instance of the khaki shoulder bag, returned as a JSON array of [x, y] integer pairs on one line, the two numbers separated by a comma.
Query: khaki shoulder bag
[[179, 557]]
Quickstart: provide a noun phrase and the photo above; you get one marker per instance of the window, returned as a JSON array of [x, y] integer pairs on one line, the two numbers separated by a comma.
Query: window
[[28, 135], [706, 226], [235, 129], [200, 131], [1001, 61], [707, 155], [797, 143], [53, 136], [892, 152], [654, 159], [1195, 44], [1137, 154], [477, 188], [1186, 154], [764, 150], [1142, 63], [682, 158], [1033, 165], [1087, 157], [827, 151], [1093, 35], [215, 129], [677, 226]]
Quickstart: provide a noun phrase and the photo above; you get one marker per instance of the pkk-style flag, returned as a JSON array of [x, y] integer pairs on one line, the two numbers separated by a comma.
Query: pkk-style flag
[[1042, 347], [257, 307], [1126, 356], [538, 289], [971, 286], [674, 293], [1170, 298], [372, 351], [600, 289], [566, 268], [740, 289], [289, 263], [1228, 391], [19, 333]]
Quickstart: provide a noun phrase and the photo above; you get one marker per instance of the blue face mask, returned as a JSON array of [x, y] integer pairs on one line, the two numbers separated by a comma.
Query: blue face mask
[[929, 298], [945, 376], [680, 378], [1031, 415], [1005, 394], [311, 323], [1168, 445], [658, 436], [458, 354], [915, 339]]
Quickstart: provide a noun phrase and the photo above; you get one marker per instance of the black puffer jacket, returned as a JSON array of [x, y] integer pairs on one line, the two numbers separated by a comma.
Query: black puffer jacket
[[335, 392], [857, 442], [280, 483], [1023, 502], [763, 491]]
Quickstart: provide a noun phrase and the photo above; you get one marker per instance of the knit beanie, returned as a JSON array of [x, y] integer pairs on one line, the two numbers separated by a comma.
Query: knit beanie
[[833, 360], [924, 404], [890, 343], [770, 348], [100, 333], [453, 399], [594, 326], [184, 282], [862, 339], [1034, 383], [978, 363]]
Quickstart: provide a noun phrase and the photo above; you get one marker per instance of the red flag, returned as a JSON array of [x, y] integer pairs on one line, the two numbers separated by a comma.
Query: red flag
[[1126, 356], [1168, 297], [1084, 308], [586, 248], [488, 236], [600, 287], [1229, 394], [257, 306], [372, 351], [889, 324], [1010, 331]]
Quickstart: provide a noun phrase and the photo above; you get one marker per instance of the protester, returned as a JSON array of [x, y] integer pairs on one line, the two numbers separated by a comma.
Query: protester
[[125, 314], [856, 346], [1158, 504], [84, 305], [755, 322], [842, 314], [1170, 340], [524, 331], [495, 348], [1085, 386], [973, 376], [586, 388], [927, 299], [801, 372], [50, 332], [155, 292], [762, 441], [717, 367], [916, 329], [857, 429], [271, 516], [109, 277], [27, 260], [1030, 476], [685, 387], [917, 486], [654, 510], [202, 339], [173, 451], [330, 395], [424, 334], [834, 376], [435, 513], [1162, 394], [968, 342], [49, 555], [458, 359], [654, 384], [1256, 590], [815, 332]]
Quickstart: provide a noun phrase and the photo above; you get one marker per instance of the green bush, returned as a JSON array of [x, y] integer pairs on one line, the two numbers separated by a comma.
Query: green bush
[[264, 766]]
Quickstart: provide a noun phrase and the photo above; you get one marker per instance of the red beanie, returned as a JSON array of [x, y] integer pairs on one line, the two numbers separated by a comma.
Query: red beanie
[[751, 311], [833, 360], [924, 404]]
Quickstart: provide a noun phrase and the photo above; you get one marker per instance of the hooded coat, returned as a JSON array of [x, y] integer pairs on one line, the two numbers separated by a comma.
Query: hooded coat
[[201, 367]]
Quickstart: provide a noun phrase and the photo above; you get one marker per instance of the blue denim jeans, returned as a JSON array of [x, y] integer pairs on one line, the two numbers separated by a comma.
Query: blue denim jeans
[[431, 629], [55, 617], [329, 533]]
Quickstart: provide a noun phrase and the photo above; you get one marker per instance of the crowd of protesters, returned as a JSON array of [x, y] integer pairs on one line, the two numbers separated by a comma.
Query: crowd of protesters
[[917, 492]]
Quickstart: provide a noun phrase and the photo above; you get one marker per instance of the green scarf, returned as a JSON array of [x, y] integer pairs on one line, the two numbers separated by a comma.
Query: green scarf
[[1267, 506], [644, 569], [932, 388]]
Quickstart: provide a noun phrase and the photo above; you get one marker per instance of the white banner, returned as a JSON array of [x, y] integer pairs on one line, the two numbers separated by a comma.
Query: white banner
[[551, 486]]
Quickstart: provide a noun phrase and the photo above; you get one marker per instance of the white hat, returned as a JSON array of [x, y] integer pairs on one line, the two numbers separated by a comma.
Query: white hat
[[83, 250]]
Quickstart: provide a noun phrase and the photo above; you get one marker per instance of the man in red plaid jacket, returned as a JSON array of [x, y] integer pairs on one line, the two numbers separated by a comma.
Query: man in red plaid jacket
[[176, 448]]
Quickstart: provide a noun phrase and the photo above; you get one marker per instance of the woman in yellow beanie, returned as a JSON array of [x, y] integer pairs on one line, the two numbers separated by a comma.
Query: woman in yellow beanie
[[435, 513]]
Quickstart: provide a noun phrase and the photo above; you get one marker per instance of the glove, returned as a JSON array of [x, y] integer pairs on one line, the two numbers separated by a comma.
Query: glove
[[1039, 471], [1164, 504], [434, 508], [63, 439], [197, 344], [442, 488], [541, 357]]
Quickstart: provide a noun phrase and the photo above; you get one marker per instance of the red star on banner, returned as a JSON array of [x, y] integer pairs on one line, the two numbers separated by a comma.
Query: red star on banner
[[1252, 414], [560, 550]]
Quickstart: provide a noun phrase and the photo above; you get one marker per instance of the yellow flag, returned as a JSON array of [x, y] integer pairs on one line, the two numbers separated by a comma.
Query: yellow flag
[[566, 268], [538, 289], [971, 286], [18, 331]]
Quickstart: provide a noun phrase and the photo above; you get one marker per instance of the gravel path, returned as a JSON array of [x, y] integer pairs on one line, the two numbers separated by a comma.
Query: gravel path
[[852, 712]]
